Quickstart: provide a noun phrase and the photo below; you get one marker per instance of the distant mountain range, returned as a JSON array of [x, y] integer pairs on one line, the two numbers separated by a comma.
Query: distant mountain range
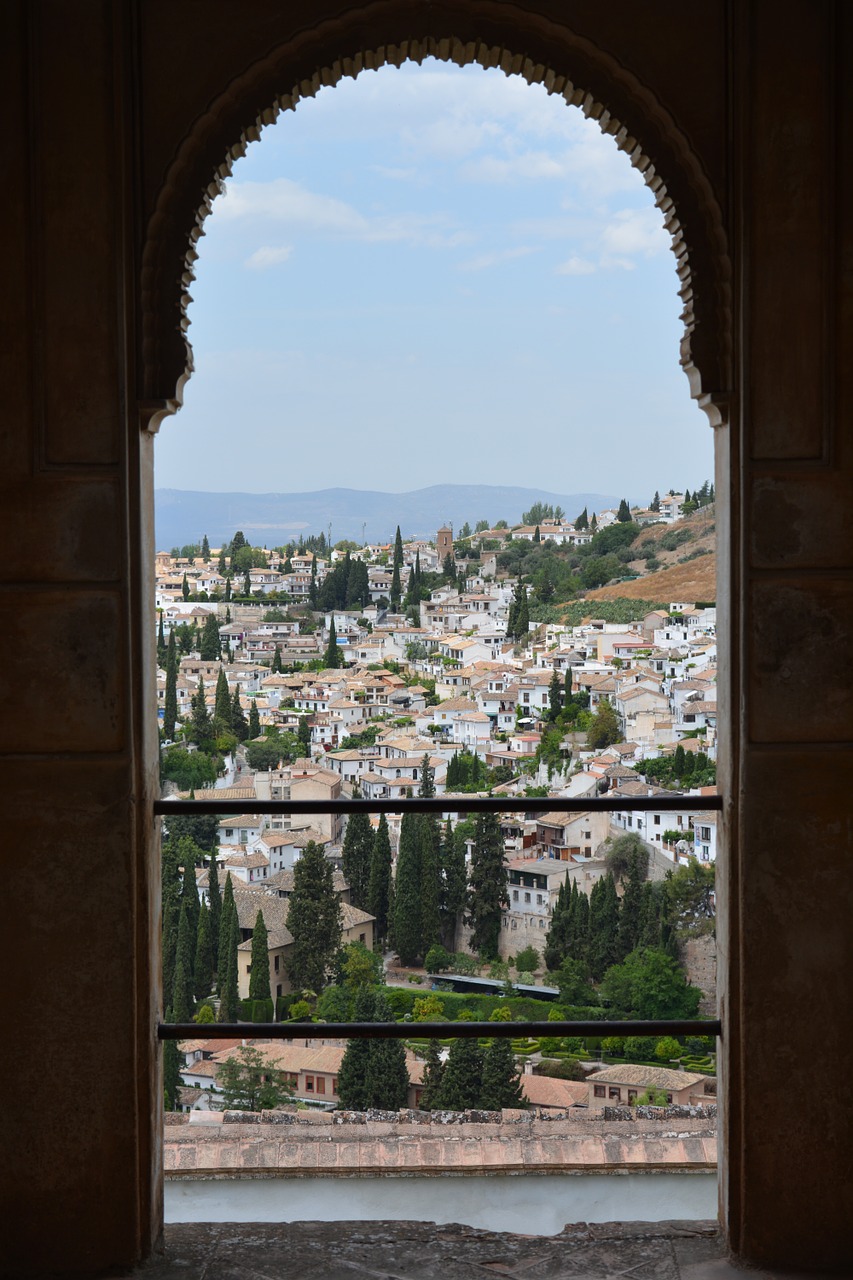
[[183, 516]]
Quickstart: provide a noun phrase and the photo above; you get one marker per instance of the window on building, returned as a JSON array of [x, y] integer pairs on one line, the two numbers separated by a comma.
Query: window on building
[[321, 1084], [309, 1084], [632, 1095], [615, 1092], [527, 897], [599, 1091]]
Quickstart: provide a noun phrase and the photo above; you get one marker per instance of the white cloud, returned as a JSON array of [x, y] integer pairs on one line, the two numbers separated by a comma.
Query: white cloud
[[576, 266], [286, 202], [269, 256], [485, 260], [633, 233]]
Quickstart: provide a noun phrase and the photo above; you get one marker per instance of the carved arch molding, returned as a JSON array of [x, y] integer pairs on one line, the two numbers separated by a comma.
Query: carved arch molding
[[491, 34]]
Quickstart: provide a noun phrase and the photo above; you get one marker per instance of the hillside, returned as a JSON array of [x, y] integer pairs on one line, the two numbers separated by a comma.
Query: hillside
[[270, 519], [676, 562]]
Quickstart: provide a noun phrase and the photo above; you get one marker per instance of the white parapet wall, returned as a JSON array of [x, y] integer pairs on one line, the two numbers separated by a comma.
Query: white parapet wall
[[524, 1173]]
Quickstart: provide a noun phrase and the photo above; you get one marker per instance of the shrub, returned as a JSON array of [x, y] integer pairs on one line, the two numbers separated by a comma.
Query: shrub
[[569, 1069], [640, 1047], [438, 959], [528, 960], [667, 1048], [613, 1044]]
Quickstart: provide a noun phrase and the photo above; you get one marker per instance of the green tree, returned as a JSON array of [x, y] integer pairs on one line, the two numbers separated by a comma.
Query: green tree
[[654, 505], [360, 967], [229, 988], [430, 863], [185, 588], [303, 734], [203, 966], [604, 727], [200, 722], [463, 1076], [210, 646], [183, 1003], [170, 701], [537, 537], [223, 941], [528, 960], [275, 668], [161, 640], [603, 947], [624, 512], [396, 590], [454, 876], [214, 904], [222, 704], [171, 1069], [205, 549], [689, 899], [312, 586], [356, 853], [501, 1080], [572, 979], [555, 690], [649, 984], [333, 657], [432, 1076], [380, 881], [259, 967], [582, 521], [254, 720], [373, 1073], [239, 723], [631, 912], [407, 892], [557, 937], [314, 920], [249, 1082], [487, 895]]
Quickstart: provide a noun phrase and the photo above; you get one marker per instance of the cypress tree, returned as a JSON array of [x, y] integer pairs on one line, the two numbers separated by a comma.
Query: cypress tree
[[332, 659], [259, 970], [276, 660], [254, 720], [222, 705], [170, 702], [655, 503], [432, 1077], [202, 726], [247, 585], [395, 588], [430, 841], [303, 734], [182, 987], [210, 646], [185, 588], [357, 850], [203, 966], [624, 512], [593, 523], [171, 922], [454, 879], [554, 691], [354, 1089], [501, 1081], [407, 892], [161, 640], [580, 940], [205, 549], [171, 1069], [380, 882], [214, 901], [189, 853], [522, 621], [239, 723], [537, 537], [582, 521], [678, 761], [312, 586], [630, 912], [373, 1072], [228, 909], [314, 919], [229, 1004], [228, 587], [487, 894], [557, 937], [463, 1076], [603, 927]]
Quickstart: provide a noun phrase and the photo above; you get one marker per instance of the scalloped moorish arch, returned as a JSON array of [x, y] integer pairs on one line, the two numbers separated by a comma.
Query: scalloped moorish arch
[[473, 31]]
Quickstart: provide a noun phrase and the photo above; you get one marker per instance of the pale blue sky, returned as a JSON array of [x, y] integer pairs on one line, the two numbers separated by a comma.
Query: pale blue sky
[[435, 274]]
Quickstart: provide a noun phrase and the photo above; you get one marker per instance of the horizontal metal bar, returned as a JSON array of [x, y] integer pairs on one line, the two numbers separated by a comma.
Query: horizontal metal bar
[[426, 1030], [447, 804]]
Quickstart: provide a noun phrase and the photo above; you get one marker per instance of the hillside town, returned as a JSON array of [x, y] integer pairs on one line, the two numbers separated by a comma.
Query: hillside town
[[421, 668]]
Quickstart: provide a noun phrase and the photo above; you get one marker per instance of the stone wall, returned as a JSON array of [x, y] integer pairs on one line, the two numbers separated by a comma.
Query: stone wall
[[700, 965]]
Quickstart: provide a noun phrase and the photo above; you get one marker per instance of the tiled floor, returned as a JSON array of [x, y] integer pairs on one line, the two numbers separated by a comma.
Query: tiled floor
[[421, 1251]]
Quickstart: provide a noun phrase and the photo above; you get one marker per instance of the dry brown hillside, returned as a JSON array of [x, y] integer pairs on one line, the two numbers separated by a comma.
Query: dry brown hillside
[[684, 566]]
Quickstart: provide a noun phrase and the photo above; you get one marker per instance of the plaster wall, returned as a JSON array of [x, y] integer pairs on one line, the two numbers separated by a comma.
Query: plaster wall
[[118, 118]]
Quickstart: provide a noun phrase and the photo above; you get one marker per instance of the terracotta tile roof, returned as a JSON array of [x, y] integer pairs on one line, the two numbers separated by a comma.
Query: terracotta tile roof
[[548, 1091], [648, 1077]]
